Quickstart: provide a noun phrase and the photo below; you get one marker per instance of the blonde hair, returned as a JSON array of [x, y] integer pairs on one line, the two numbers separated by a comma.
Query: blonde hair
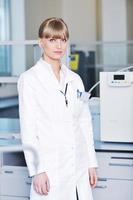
[[53, 28]]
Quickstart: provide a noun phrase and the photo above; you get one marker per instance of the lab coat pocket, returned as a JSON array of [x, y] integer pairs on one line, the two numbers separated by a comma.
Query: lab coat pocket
[[78, 107], [52, 175], [51, 167]]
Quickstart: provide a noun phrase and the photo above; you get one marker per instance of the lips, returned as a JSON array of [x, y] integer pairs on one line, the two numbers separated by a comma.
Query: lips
[[58, 52]]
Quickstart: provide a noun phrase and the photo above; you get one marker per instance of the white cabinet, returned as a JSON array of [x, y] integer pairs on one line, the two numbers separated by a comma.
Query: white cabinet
[[113, 190], [15, 182], [115, 165], [115, 176], [13, 198]]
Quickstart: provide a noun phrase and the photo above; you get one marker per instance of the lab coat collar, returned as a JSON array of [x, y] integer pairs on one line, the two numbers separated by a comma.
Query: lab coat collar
[[69, 76]]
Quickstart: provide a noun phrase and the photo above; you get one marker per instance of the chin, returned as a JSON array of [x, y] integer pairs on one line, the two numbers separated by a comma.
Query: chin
[[57, 57]]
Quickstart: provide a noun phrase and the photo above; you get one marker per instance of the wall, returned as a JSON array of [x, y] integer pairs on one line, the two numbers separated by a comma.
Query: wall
[[98, 20], [130, 29], [130, 19], [81, 19], [38, 10], [79, 15], [17, 33], [112, 18]]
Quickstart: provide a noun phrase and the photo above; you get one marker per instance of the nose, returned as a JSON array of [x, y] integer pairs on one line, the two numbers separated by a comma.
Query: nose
[[59, 43]]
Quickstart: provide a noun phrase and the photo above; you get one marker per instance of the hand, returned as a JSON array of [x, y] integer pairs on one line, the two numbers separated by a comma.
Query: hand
[[41, 183], [93, 177]]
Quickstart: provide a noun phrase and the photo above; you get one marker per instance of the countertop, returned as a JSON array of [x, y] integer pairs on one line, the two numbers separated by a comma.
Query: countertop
[[113, 147], [14, 139]]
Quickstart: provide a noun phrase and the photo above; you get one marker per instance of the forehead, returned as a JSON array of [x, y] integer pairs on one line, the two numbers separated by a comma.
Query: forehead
[[55, 30], [55, 34]]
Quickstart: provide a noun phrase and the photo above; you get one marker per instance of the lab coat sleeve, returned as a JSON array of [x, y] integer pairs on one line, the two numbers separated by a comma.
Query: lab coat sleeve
[[85, 122], [27, 114]]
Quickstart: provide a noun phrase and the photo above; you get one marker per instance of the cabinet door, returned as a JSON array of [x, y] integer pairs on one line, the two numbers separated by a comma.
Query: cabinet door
[[114, 165], [113, 190], [13, 198], [15, 182]]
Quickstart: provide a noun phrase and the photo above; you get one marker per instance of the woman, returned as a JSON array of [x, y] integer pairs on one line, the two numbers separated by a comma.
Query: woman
[[56, 123]]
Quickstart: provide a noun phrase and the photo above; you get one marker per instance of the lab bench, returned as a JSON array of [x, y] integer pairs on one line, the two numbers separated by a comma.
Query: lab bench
[[115, 173], [15, 183], [14, 178]]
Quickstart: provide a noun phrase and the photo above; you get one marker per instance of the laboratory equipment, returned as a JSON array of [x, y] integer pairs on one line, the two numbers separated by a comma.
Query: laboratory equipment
[[115, 174], [83, 63], [13, 168], [9, 115], [116, 106], [94, 105]]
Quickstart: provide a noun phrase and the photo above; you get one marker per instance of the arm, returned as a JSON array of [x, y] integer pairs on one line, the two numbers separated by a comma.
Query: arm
[[27, 113], [85, 122], [87, 130]]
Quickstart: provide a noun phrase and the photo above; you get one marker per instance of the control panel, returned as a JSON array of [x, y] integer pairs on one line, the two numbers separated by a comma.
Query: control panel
[[119, 79]]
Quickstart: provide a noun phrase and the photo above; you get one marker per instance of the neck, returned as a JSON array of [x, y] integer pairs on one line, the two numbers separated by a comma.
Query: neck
[[56, 64]]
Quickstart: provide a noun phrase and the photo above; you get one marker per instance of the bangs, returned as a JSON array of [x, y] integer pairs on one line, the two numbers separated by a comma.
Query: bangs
[[49, 33], [55, 29]]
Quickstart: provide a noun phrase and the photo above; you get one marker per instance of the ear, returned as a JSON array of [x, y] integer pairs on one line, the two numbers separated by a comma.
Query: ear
[[40, 42]]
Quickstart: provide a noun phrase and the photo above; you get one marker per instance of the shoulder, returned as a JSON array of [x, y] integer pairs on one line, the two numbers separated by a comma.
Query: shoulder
[[27, 77], [29, 74], [76, 79], [72, 75]]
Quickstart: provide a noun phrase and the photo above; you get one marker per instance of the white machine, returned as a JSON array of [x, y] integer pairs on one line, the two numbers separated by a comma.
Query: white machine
[[94, 105], [116, 106]]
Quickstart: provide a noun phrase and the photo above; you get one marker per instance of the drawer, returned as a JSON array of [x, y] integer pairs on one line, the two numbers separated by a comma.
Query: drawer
[[13, 159], [113, 189], [17, 170], [115, 165], [13, 198], [15, 182]]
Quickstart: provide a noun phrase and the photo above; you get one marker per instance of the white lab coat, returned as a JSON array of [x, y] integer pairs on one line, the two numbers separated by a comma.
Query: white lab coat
[[61, 135]]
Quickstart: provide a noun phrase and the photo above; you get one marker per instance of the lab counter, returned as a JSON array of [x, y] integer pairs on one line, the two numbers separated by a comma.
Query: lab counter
[[115, 171], [113, 147], [9, 139], [14, 138], [14, 178]]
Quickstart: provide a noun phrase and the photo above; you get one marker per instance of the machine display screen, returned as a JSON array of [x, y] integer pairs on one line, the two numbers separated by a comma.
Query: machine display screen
[[119, 77]]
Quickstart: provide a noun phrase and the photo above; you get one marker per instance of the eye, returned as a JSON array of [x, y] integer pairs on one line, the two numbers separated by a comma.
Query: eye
[[64, 40], [52, 40]]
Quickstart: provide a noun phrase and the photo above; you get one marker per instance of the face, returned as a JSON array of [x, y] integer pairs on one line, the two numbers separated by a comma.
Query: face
[[54, 49]]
